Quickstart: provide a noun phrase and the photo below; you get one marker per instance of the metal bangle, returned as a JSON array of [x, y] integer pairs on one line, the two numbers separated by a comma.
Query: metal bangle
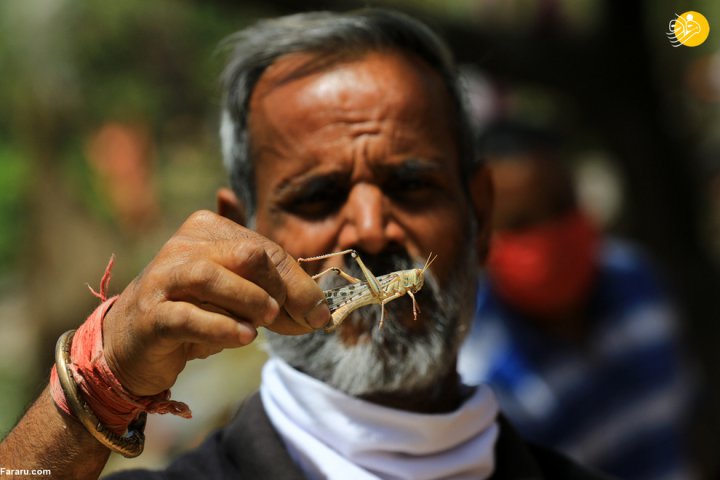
[[129, 445]]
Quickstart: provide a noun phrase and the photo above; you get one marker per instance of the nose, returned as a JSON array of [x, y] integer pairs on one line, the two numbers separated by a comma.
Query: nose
[[368, 224]]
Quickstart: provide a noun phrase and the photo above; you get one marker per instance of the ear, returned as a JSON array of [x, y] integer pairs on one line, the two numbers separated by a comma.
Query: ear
[[230, 206], [482, 196]]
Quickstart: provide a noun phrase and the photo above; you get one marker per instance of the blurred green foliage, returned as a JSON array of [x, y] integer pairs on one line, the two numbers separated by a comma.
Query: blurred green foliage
[[14, 177], [68, 67]]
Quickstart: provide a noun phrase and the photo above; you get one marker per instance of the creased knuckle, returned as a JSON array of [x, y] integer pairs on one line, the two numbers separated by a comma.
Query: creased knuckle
[[282, 261], [201, 274], [201, 218], [250, 256]]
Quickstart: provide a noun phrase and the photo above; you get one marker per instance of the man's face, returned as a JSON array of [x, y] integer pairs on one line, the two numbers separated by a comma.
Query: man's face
[[359, 156], [363, 155], [530, 190]]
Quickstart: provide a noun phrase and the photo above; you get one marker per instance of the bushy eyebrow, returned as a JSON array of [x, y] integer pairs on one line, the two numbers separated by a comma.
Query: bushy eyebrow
[[409, 168], [311, 183]]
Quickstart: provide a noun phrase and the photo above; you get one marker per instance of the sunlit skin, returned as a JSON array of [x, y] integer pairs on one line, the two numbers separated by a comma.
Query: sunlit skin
[[359, 156], [364, 155]]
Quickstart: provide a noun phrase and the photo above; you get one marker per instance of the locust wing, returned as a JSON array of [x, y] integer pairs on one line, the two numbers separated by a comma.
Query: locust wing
[[348, 298], [346, 295]]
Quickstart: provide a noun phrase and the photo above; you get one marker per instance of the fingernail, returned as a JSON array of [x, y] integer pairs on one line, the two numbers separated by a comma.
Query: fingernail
[[319, 316]]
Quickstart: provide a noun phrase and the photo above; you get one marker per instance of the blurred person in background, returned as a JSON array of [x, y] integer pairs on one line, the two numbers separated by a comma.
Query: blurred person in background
[[574, 330], [340, 131]]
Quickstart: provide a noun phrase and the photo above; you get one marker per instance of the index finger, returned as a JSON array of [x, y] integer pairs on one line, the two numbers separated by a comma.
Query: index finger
[[305, 302], [302, 300]]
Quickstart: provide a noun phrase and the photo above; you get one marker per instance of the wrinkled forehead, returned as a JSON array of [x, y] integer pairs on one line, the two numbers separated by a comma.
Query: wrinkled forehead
[[390, 94], [293, 66], [399, 82]]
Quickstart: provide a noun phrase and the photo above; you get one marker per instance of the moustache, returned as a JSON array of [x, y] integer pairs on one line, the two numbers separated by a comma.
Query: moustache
[[380, 264]]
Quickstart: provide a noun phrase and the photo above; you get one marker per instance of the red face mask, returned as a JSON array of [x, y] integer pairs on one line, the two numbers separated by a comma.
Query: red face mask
[[547, 270]]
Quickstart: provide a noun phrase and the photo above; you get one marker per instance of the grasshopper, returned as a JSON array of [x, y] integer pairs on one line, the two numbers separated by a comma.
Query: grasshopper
[[374, 290]]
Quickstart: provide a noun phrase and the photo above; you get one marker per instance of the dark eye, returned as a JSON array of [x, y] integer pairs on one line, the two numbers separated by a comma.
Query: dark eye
[[412, 184], [411, 189], [318, 203]]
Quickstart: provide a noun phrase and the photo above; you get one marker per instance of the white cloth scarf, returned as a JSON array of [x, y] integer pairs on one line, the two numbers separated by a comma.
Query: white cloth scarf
[[331, 435]]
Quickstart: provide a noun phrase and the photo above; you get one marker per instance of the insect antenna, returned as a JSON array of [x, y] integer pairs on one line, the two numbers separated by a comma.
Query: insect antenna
[[429, 262]]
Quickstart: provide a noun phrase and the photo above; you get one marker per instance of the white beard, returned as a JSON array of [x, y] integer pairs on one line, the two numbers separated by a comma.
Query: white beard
[[396, 359]]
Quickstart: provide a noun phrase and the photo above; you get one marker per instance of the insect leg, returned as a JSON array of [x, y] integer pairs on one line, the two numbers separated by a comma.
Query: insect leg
[[328, 255], [338, 271], [382, 306], [416, 309], [372, 281]]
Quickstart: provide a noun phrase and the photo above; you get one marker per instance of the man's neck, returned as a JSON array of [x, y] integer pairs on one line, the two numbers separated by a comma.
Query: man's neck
[[445, 396]]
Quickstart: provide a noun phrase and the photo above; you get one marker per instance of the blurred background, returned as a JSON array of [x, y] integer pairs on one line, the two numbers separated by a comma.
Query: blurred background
[[108, 141]]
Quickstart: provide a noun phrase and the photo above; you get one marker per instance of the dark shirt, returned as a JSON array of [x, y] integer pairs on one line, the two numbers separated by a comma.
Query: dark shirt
[[250, 448]]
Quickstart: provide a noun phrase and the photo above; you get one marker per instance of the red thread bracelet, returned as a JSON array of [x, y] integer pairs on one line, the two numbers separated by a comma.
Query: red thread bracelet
[[112, 403]]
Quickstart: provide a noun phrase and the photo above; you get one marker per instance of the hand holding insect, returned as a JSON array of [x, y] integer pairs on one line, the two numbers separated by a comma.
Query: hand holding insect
[[374, 290]]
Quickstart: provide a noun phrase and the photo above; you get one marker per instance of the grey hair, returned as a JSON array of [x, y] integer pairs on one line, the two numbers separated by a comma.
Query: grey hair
[[332, 38]]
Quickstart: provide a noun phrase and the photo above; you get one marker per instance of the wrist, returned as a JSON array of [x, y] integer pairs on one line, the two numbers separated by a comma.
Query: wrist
[[84, 386]]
